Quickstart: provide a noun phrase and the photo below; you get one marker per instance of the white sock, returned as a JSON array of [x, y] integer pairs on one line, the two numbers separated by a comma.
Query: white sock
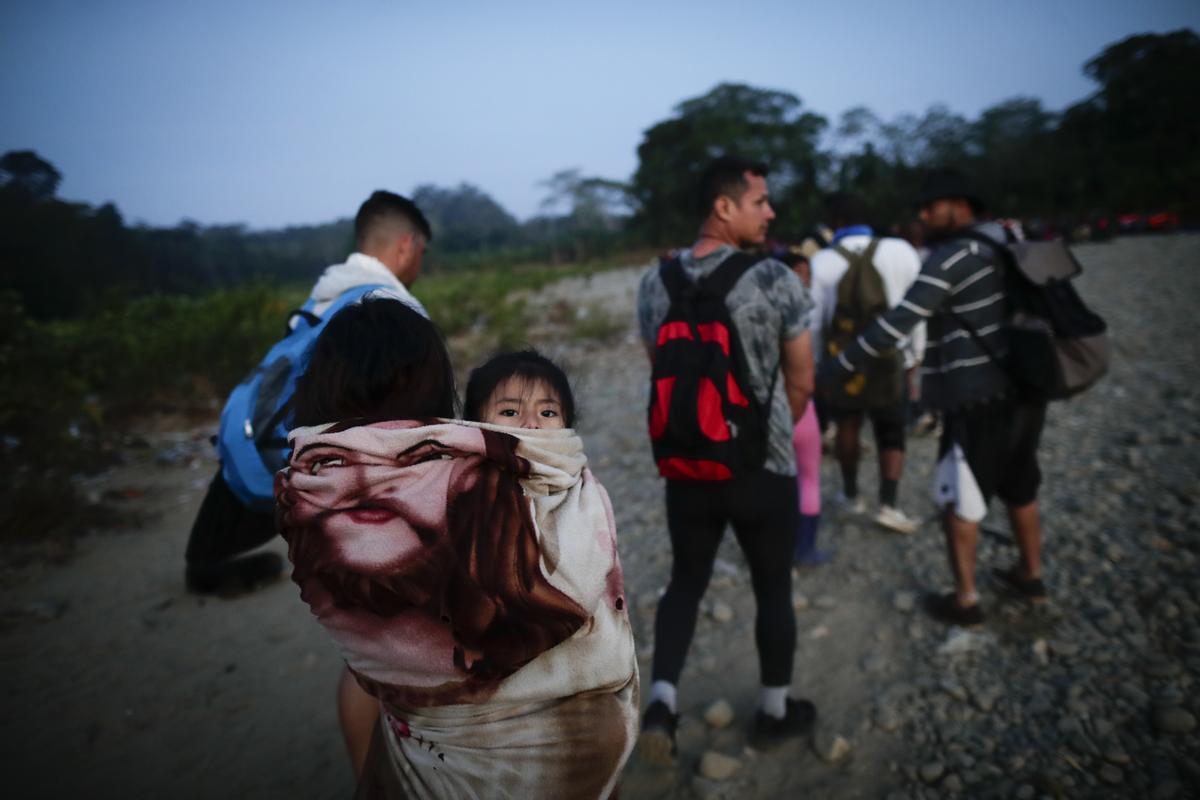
[[664, 691], [773, 700]]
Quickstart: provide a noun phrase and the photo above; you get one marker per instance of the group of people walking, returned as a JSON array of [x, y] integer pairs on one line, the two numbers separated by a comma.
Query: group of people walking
[[869, 318], [468, 568]]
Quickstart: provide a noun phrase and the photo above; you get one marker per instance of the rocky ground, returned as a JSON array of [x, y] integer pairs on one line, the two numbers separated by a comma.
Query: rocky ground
[[119, 684]]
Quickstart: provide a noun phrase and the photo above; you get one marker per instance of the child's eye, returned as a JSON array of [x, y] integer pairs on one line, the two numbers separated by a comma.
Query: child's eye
[[548, 412], [508, 412]]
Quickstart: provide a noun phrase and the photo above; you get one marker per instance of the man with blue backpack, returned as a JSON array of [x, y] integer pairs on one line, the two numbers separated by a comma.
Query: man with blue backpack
[[237, 514]]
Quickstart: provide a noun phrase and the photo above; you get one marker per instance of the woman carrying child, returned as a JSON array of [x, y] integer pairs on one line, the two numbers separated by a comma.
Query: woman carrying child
[[467, 570]]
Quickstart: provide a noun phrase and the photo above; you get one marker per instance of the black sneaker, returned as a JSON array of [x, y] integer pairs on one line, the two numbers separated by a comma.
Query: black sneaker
[[656, 744], [1032, 589], [945, 608], [799, 720]]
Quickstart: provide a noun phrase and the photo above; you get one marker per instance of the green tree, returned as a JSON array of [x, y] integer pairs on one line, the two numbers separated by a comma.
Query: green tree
[[27, 172], [581, 216], [588, 203], [1013, 157], [1137, 135], [465, 218], [761, 124]]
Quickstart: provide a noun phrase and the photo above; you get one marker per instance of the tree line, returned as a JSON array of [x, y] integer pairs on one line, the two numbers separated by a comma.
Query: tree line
[[1129, 146]]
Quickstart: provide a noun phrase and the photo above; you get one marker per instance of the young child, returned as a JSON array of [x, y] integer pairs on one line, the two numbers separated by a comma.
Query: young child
[[523, 389], [467, 570]]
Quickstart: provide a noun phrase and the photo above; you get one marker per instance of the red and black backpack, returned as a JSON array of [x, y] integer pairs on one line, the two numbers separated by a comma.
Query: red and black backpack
[[705, 422]]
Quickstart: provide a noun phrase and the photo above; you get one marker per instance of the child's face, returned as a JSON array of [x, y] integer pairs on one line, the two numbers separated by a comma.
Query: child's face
[[521, 403]]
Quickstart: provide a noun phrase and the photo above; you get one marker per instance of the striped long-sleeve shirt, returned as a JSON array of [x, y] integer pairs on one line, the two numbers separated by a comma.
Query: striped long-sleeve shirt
[[962, 276]]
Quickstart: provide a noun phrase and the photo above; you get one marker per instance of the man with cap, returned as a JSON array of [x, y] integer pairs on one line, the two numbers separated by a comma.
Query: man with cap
[[990, 438]]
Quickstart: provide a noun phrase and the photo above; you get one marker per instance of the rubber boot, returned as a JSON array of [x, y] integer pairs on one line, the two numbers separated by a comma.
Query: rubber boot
[[807, 553]]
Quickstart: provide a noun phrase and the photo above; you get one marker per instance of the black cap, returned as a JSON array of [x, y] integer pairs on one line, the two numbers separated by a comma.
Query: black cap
[[947, 184]]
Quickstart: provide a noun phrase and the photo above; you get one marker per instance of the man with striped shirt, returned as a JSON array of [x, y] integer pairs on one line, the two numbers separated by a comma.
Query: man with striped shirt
[[990, 438]]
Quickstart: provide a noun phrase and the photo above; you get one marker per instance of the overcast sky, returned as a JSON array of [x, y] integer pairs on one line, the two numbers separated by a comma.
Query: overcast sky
[[283, 112]]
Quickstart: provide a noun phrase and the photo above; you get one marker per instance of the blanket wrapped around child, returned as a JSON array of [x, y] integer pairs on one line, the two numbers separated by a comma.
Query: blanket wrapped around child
[[469, 573]]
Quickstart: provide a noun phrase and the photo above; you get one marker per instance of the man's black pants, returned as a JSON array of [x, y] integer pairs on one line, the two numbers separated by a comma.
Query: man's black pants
[[224, 529], [763, 509]]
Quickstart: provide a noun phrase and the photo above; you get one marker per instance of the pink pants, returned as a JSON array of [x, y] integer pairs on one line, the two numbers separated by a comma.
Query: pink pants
[[806, 439]]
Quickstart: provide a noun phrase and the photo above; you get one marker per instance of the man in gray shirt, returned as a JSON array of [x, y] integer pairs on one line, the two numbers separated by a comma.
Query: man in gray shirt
[[770, 310]]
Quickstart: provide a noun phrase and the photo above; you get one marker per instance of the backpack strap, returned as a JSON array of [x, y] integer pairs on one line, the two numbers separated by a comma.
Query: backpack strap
[[867, 254], [348, 297], [1007, 264], [718, 283], [856, 284], [974, 334], [673, 277], [1003, 253]]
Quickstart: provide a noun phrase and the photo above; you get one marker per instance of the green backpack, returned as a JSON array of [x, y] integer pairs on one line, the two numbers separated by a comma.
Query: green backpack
[[861, 298]]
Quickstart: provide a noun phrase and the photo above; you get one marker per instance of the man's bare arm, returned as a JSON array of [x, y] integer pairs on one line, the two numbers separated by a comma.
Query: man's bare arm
[[796, 361]]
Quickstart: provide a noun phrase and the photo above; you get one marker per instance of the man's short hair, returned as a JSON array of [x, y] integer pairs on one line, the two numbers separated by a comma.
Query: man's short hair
[[383, 208], [845, 208], [727, 176]]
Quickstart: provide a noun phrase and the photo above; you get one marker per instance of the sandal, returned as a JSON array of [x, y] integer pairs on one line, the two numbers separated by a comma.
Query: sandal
[[1032, 589]]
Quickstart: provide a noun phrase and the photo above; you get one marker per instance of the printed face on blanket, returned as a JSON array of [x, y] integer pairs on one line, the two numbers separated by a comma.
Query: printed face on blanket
[[424, 556]]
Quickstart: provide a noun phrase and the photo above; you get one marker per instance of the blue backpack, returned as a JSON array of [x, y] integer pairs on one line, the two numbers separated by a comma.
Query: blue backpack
[[252, 439]]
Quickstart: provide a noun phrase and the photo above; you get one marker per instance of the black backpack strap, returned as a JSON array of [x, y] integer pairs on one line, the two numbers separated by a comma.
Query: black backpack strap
[[720, 281], [312, 319], [974, 334], [979, 340], [1007, 259], [673, 277], [717, 283]]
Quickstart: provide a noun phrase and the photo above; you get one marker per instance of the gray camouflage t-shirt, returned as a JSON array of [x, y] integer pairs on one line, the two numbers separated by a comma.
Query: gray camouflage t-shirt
[[769, 305]]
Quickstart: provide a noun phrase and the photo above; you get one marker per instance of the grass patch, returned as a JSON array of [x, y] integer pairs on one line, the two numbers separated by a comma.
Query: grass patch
[[73, 387]]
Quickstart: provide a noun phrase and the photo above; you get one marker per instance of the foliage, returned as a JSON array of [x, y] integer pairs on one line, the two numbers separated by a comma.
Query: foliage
[[1138, 133], [491, 302], [79, 382], [79, 377], [760, 124], [26, 172], [465, 218], [1128, 147], [66, 260]]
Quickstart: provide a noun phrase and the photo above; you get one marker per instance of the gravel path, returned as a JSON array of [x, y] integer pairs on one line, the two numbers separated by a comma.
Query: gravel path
[[121, 685]]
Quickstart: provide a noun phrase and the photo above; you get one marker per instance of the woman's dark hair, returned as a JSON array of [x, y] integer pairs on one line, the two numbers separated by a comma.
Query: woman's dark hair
[[529, 365], [376, 360]]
